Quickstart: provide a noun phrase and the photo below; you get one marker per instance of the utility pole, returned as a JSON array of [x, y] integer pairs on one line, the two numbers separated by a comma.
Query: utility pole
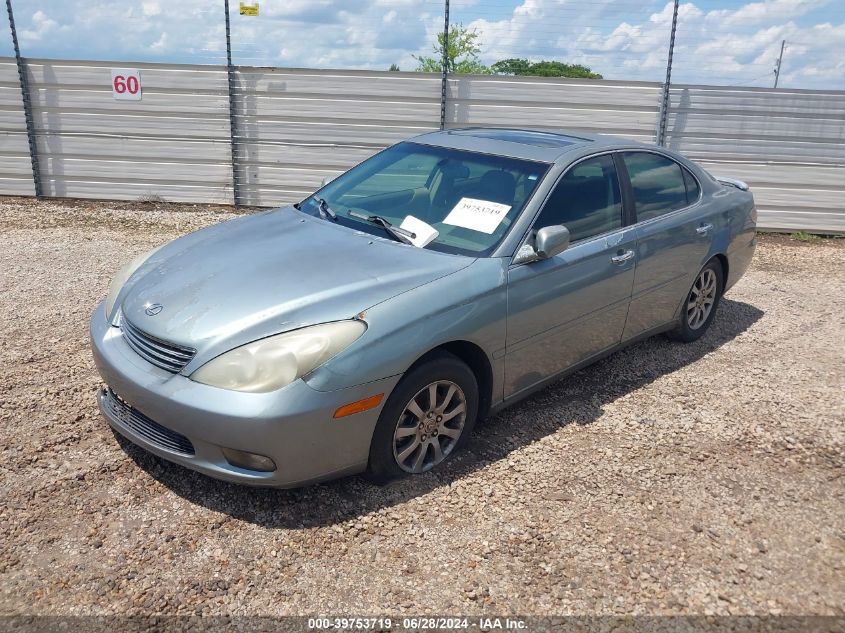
[[27, 106], [779, 62], [445, 72], [664, 102], [233, 142]]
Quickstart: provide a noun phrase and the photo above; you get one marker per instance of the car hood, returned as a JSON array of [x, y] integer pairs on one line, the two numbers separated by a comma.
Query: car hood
[[260, 275]]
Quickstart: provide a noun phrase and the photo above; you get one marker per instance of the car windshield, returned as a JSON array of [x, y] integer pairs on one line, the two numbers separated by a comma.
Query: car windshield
[[470, 199]]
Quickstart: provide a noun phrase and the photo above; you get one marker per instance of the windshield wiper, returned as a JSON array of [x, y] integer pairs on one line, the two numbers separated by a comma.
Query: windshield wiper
[[397, 233], [325, 209]]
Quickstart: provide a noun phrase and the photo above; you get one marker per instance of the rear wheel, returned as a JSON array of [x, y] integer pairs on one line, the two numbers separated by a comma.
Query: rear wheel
[[427, 418], [700, 305]]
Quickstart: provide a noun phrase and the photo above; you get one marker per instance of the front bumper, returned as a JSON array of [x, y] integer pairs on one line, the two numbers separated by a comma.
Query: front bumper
[[293, 426]]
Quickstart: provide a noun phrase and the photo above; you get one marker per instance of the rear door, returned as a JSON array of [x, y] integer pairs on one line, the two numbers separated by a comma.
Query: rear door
[[564, 309], [673, 237]]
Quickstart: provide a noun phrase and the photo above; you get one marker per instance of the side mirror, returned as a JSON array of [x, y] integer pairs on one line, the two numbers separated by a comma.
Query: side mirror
[[551, 240]]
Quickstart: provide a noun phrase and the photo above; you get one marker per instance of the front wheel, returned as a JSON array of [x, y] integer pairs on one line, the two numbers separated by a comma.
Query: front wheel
[[700, 305], [429, 415]]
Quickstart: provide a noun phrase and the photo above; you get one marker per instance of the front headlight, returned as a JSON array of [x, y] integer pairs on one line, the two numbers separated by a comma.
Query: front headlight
[[121, 276], [276, 361]]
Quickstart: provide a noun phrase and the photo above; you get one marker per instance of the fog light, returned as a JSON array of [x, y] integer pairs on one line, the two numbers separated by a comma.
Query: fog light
[[249, 461]]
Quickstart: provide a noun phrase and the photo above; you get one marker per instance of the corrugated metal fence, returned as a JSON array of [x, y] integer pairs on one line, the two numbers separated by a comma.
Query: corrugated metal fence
[[789, 145], [623, 108], [174, 143], [15, 168], [294, 127]]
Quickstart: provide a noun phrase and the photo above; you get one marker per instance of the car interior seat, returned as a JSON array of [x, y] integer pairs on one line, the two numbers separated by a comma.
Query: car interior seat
[[496, 185]]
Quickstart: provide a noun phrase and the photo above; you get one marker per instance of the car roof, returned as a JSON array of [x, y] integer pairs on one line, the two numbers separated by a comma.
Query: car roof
[[548, 146]]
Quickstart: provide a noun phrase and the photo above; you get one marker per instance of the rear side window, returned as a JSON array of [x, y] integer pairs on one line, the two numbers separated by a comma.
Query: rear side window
[[658, 184], [693, 190], [586, 200]]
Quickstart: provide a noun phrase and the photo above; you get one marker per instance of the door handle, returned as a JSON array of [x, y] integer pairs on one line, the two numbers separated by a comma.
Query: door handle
[[621, 258], [704, 229]]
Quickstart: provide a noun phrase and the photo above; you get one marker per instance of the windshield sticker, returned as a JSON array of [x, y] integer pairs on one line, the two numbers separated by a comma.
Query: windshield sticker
[[478, 215]]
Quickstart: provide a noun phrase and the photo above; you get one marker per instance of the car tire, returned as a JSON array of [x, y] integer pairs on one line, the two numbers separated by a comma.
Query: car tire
[[700, 304], [410, 430]]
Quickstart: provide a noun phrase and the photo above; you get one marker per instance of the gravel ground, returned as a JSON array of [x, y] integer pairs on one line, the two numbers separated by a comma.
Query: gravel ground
[[666, 479]]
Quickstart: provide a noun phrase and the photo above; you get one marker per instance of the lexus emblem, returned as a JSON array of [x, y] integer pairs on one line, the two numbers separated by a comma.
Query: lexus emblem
[[153, 309]]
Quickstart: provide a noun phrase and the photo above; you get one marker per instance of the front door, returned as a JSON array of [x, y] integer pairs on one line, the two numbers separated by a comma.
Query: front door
[[569, 307]]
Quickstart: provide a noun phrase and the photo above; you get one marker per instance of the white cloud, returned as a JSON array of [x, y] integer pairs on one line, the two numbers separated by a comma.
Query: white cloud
[[716, 46], [42, 25], [766, 11], [317, 33], [150, 8], [160, 44], [621, 41]]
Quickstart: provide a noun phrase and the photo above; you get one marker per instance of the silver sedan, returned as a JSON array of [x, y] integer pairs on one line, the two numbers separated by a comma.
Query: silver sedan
[[369, 326]]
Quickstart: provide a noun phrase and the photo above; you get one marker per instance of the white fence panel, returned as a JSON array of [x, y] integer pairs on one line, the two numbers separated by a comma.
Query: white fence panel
[[172, 144], [628, 109], [15, 165], [789, 145], [296, 126]]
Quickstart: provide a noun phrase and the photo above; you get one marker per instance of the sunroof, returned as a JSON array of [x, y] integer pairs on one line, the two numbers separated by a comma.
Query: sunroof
[[526, 137]]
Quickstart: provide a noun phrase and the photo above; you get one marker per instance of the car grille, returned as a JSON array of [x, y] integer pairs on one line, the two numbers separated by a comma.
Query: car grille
[[143, 426], [167, 356]]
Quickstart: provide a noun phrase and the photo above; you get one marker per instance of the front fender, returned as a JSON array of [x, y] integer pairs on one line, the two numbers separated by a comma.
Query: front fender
[[469, 305]]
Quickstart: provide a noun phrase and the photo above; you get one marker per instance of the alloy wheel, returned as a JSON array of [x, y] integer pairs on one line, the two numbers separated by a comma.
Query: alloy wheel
[[430, 426], [701, 298]]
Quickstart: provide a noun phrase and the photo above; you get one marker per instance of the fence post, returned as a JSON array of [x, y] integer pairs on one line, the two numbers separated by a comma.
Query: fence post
[[233, 137], [27, 106], [444, 76], [664, 101]]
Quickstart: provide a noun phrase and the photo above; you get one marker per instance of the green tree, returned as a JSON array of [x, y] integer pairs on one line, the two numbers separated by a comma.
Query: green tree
[[511, 67], [394, 67], [542, 68], [462, 55]]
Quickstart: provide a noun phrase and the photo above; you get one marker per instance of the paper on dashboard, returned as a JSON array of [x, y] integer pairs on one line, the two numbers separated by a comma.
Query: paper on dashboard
[[479, 215], [424, 232]]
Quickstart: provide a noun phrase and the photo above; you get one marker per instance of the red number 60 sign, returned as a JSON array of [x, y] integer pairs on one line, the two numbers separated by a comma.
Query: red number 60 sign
[[126, 84]]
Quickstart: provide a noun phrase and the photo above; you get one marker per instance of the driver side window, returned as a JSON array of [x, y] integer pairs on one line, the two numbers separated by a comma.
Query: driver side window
[[587, 200]]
